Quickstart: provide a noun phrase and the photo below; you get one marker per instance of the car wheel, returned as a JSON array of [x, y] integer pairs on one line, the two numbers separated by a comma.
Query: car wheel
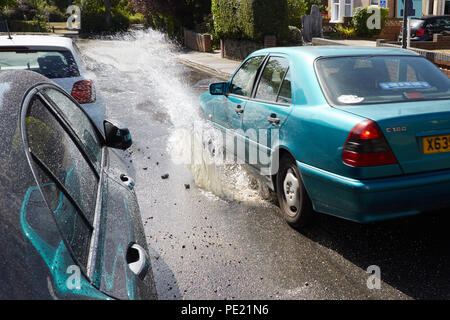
[[292, 196]]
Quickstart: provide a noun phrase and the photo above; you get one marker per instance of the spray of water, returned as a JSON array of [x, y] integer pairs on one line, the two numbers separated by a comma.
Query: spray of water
[[144, 62]]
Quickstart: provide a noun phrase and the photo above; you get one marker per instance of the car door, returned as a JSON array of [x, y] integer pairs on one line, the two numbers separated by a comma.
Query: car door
[[229, 114], [103, 229], [267, 110]]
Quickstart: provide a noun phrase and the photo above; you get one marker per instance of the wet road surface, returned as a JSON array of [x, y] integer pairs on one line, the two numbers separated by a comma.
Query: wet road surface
[[224, 239]]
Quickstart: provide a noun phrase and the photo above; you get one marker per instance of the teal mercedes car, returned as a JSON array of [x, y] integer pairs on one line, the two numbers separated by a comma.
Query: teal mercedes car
[[358, 133]]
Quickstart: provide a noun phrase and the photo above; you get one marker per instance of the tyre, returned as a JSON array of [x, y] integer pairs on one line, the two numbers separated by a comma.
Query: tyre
[[292, 197]]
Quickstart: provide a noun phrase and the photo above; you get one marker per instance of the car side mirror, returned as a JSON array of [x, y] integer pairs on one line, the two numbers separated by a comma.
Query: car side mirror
[[218, 89], [117, 136]]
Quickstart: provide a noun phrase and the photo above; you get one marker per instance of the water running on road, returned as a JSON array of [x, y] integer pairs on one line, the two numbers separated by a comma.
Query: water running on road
[[137, 71]]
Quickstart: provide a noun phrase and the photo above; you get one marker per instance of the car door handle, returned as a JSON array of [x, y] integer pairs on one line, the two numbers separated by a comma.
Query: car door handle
[[273, 118], [138, 260], [239, 109]]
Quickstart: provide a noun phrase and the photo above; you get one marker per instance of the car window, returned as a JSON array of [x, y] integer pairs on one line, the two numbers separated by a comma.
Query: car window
[[79, 122], [271, 79], [75, 230], [416, 23], [285, 95], [242, 81], [52, 64], [381, 79], [52, 145]]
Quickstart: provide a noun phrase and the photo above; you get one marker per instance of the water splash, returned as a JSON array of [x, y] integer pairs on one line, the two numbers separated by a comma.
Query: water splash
[[139, 71]]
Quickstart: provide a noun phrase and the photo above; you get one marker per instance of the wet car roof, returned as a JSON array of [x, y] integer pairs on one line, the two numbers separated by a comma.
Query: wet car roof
[[13, 87]]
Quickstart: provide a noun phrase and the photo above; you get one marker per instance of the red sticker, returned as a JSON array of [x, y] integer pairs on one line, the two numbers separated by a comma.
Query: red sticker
[[414, 95]]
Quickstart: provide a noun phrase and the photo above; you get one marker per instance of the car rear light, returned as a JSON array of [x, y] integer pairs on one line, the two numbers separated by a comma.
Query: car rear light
[[366, 146], [420, 32], [83, 91]]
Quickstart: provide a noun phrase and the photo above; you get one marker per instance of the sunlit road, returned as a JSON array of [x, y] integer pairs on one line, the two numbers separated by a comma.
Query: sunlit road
[[236, 245]]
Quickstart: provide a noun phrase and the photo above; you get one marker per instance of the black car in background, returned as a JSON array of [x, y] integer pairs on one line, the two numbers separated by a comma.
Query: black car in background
[[422, 29], [70, 226]]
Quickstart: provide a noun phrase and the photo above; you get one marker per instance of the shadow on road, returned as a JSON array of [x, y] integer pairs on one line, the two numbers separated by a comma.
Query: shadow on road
[[412, 253]]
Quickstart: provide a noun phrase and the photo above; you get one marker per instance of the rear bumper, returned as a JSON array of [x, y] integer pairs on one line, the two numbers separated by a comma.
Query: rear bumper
[[376, 199]]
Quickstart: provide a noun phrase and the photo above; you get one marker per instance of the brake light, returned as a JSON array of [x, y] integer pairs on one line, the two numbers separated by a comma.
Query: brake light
[[366, 146], [83, 91], [420, 32]]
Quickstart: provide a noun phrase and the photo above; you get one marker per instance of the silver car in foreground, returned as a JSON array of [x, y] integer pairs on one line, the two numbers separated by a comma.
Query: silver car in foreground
[[57, 58]]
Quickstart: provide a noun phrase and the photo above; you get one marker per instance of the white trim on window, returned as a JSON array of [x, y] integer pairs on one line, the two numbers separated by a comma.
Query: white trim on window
[[338, 10]]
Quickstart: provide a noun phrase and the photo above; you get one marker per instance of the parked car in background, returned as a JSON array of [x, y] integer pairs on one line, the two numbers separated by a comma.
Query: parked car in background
[[422, 29], [57, 58], [69, 217], [358, 133]]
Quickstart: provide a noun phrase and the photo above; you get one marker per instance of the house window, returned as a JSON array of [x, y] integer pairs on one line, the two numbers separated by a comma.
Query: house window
[[341, 9], [335, 11], [348, 8]]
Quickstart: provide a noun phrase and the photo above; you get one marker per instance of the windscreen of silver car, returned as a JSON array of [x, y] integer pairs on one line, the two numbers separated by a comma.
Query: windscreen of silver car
[[50, 63]]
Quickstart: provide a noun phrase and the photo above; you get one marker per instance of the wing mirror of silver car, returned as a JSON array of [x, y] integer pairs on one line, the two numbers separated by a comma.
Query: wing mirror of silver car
[[117, 136], [218, 89]]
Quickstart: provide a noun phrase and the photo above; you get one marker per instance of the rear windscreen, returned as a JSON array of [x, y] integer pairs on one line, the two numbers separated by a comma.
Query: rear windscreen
[[416, 23], [52, 64], [380, 79]]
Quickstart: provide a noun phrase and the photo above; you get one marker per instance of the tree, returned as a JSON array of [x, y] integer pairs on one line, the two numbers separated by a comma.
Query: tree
[[108, 15], [296, 9], [7, 3]]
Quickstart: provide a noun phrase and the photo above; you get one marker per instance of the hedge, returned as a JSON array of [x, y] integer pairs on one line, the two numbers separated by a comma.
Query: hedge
[[250, 19], [226, 18], [93, 18], [264, 17]]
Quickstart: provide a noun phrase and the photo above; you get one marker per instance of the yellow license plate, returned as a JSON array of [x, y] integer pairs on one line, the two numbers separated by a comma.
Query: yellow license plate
[[436, 144]]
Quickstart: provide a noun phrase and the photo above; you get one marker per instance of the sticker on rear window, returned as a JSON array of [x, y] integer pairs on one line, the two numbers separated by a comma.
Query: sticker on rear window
[[404, 85], [348, 98]]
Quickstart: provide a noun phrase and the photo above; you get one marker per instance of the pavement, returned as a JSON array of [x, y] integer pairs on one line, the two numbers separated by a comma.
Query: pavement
[[223, 68], [211, 63]]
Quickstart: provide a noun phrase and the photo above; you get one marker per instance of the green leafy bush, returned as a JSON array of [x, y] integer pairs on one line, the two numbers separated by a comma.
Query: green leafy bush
[[226, 17], [345, 32], [264, 17], [296, 9], [27, 26], [55, 14], [137, 18], [250, 19], [361, 17], [93, 18], [295, 36]]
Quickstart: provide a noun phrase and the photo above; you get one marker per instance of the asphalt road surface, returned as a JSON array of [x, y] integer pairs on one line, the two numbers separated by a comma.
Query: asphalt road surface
[[213, 232]]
